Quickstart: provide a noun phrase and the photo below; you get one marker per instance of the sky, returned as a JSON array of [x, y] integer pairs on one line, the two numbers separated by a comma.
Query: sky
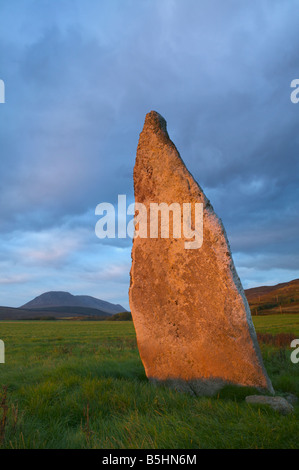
[[80, 77]]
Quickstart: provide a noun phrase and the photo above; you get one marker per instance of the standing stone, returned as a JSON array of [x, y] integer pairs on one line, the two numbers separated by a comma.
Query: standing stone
[[193, 322]]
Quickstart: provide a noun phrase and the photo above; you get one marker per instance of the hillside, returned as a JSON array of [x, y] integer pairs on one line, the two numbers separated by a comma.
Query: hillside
[[265, 300], [65, 299], [9, 313], [282, 298]]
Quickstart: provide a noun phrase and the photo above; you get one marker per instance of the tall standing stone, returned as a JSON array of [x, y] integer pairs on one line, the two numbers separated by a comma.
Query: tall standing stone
[[193, 322]]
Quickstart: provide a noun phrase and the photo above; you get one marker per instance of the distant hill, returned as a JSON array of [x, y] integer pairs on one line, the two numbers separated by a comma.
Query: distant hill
[[282, 298], [65, 299], [264, 300], [55, 313]]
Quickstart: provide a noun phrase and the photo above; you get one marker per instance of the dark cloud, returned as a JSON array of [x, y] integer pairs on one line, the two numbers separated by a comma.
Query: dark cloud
[[80, 78]]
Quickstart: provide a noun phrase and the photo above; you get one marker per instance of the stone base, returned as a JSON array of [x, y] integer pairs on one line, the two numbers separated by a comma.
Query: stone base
[[198, 387]]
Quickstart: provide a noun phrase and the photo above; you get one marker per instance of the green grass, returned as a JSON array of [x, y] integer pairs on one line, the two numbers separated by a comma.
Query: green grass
[[285, 323], [82, 385]]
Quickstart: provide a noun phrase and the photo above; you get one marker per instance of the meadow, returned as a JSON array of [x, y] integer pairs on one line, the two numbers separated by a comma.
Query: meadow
[[70, 384]]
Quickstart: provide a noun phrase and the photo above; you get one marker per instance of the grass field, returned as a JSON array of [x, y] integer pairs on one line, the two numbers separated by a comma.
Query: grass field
[[82, 385], [277, 324]]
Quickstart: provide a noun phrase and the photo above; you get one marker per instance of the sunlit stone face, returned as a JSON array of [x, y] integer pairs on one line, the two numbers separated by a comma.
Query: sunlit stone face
[[192, 319]]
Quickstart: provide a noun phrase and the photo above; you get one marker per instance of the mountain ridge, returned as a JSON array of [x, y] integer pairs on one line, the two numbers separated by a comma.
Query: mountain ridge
[[264, 290], [65, 299], [281, 298]]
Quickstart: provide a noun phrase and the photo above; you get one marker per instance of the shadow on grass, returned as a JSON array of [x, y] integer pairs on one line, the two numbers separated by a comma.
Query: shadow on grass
[[236, 393]]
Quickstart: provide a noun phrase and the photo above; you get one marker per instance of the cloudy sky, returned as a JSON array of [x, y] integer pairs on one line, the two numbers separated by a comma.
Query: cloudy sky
[[80, 77]]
